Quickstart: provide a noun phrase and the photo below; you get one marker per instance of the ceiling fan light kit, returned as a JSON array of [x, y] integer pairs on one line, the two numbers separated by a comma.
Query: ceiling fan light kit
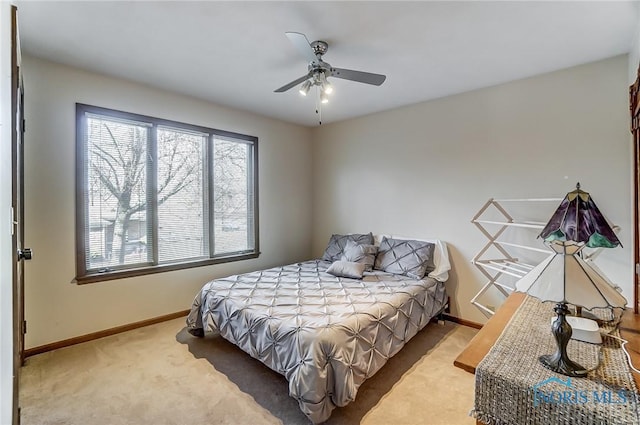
[[319, 71], [326, 85], [304, 88]]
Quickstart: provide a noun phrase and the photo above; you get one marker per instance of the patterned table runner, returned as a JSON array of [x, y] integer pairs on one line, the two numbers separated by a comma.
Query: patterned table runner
[[513, 388]]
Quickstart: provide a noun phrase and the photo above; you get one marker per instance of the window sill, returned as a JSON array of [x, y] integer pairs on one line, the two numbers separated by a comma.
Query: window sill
[[94, 277]]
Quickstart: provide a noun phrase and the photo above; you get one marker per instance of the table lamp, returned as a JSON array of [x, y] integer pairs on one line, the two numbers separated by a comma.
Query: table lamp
[[565, 278]]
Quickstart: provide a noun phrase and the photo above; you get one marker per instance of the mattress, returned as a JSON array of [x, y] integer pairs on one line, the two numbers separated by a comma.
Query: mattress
[[325, 334]]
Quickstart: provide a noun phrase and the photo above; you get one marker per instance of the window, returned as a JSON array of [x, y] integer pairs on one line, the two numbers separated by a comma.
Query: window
[[155, 195]]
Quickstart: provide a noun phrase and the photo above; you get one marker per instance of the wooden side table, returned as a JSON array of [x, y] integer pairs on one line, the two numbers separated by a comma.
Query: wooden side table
[[479, 346]]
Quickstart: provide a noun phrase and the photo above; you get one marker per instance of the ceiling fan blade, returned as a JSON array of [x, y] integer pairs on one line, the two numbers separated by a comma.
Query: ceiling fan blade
[[359, 76], [301, 43], [293, 83]]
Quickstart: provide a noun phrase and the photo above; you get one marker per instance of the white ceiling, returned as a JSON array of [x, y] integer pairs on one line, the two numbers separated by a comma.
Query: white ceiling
[[236, 53]]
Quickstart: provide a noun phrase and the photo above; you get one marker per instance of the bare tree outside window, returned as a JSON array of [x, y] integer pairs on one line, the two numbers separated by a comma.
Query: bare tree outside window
[[117, 175], [157, 194]]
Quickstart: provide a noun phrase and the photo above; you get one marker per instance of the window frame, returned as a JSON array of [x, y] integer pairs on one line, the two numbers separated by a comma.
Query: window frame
[[90, 276]]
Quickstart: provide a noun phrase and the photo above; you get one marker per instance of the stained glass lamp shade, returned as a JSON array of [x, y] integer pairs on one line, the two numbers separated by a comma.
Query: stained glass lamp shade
[[578, 219], [564, 277]]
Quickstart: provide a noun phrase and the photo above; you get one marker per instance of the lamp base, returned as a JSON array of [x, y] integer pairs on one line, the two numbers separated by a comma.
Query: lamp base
[[565, 367], [559, 361]]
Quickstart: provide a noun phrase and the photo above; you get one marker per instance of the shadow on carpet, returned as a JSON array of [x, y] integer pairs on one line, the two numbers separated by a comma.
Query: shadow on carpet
[[271, 390]]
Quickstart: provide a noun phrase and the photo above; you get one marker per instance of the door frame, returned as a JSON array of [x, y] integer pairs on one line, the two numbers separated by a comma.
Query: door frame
[[17, 203], [634, 106]]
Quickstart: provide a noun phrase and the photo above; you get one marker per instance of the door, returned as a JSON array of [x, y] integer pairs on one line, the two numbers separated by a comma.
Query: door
[[19, 252]]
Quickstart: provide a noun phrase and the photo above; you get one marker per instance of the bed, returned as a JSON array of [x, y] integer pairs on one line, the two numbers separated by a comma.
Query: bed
[[324, 331]]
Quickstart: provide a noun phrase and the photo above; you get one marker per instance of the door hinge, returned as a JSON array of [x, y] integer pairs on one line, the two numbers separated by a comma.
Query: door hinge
[[24, 126], [24, 327], [638, 268]]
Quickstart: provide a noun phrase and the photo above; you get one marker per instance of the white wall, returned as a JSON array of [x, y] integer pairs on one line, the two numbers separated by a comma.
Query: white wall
[[425, 170], [57, 309], [6, 247]]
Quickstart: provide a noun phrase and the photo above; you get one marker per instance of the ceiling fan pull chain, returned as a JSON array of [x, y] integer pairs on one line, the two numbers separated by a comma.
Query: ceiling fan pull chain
[[318, 107]]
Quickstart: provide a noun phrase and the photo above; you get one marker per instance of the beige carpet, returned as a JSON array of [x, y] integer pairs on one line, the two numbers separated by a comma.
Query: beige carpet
[[162, 375]]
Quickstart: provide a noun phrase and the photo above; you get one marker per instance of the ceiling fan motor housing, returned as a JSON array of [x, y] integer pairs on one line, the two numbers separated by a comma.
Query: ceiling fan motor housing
[[319, 47]]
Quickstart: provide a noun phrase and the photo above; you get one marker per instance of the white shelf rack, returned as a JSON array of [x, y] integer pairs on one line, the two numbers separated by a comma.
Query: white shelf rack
[[495, 269]]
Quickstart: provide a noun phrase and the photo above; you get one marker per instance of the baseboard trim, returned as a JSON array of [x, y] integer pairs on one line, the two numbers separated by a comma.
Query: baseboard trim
[[463, 322], [131, 326], [101, 334]]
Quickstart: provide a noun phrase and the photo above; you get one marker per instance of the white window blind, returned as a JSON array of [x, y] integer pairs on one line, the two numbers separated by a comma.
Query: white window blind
[[233, 210], [117, 191], [183, 213]]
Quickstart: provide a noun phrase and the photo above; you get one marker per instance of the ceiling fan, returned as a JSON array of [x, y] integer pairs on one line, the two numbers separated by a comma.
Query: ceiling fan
[[319, 70]]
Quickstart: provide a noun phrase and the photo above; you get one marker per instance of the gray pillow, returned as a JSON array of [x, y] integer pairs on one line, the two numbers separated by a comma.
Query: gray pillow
[[407, 257], [346, 269], [360, 253], [336, 245]]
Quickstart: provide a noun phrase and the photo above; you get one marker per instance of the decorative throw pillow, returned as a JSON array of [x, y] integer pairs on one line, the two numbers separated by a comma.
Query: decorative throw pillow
[[408, 257], [346, 269], [335, 248], [360, 253]]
